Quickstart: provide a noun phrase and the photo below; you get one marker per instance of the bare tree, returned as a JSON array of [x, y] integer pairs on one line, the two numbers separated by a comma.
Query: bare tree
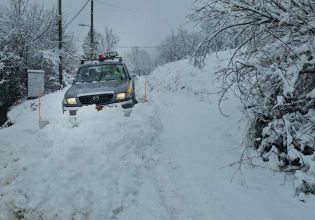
[[109, 40]]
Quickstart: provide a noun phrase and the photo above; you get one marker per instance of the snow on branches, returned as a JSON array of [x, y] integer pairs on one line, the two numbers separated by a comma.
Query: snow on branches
[[29, 40], [272, 71]]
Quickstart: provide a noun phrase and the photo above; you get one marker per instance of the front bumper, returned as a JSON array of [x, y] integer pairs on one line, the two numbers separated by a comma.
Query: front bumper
[[123, 104]]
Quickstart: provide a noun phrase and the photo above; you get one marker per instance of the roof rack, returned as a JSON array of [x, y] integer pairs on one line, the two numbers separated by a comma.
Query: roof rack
[[110, 55]]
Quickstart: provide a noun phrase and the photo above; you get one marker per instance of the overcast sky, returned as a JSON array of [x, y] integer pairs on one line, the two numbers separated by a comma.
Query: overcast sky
[[136, 22]]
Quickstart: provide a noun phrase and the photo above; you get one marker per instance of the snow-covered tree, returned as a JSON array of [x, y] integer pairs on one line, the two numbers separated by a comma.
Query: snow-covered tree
[[178, 45], [139, 61], [12, 82], [101, 42], [29, 37], [26, 28], [89, 47], [272, 71]]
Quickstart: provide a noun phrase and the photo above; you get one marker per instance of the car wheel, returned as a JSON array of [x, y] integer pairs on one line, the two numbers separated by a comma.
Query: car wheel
[[134, 100]]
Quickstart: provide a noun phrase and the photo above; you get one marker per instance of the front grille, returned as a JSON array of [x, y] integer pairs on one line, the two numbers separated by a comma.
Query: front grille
[[101, 99]]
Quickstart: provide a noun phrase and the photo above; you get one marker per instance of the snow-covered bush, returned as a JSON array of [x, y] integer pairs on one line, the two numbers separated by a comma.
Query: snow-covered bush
[[48, 60], [12, 82], [273, 74]]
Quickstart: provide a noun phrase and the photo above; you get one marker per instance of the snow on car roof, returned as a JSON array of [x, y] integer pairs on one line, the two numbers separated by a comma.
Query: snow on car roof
[[95, 63]]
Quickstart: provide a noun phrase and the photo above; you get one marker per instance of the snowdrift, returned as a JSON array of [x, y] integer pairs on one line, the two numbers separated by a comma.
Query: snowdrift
[[88, 168], [171, 159]]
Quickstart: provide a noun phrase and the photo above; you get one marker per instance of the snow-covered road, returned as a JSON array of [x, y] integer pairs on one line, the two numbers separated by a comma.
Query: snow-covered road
[[167, 161]]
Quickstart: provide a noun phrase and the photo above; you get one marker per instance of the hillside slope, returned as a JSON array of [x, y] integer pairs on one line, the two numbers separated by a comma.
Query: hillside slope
[[205, 147], [169, 160]]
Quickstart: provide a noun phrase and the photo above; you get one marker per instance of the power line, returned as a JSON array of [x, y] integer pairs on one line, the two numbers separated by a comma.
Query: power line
[[77, 14], [40, 35], [115, 6], [149, 47]]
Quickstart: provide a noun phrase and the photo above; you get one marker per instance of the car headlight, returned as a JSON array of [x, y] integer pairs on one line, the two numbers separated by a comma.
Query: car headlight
[[121, 96], [70, 101]]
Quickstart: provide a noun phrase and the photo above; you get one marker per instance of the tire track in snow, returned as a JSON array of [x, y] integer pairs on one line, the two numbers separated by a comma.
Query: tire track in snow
[[159, 170], [168, 197]]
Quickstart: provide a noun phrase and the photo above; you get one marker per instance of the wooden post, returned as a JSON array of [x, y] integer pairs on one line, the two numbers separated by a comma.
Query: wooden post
[[145, 91], [92, 29], [60, 41]]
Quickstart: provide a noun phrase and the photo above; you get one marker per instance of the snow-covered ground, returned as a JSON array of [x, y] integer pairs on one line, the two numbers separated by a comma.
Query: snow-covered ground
[[169, 160]]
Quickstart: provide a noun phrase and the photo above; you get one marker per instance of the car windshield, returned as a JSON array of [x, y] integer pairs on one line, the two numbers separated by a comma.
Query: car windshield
[[103, 72]]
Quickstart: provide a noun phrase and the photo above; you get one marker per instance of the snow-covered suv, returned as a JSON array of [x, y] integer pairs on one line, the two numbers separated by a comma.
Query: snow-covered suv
[[102, 83]]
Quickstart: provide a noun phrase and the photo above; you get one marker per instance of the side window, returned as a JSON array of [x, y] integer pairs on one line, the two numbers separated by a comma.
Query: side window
[[127, 72], [122, 71], [81, 76]]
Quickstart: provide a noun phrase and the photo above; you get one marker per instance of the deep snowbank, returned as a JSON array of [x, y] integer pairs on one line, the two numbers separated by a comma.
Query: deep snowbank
[[182, 76], [205, 147], [90, 171]]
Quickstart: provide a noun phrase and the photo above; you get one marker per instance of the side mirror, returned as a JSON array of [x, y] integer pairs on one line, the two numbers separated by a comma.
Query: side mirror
[[73, 82]]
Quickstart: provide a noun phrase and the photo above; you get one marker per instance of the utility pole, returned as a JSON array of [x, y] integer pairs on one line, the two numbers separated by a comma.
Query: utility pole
[[92, 28], [60, 41]]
